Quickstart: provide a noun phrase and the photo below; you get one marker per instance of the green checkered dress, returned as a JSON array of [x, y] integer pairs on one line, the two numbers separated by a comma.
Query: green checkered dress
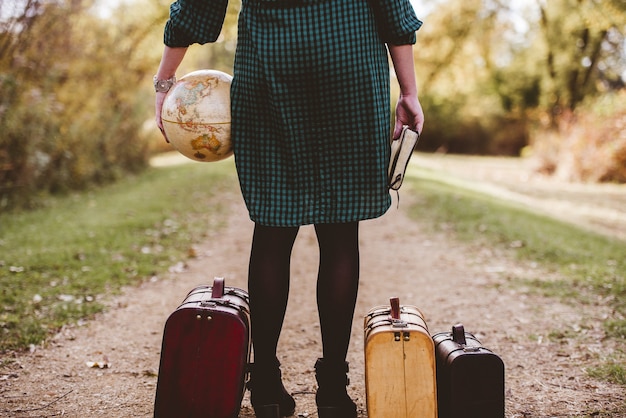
[[310, 102]]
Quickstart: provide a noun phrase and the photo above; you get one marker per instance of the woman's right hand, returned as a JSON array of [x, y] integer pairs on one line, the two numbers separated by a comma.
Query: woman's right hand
[[158, 108]]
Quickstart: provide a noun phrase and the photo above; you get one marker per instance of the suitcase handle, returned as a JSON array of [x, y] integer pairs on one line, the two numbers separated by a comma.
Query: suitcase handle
[[217, 291], [394, 313], [458, 334], [395, 308]]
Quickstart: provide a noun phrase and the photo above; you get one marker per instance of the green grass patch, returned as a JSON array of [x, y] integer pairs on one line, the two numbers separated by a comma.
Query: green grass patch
[[612, 371], [591, 268], [59, 262], [584, 259], [616, 328]]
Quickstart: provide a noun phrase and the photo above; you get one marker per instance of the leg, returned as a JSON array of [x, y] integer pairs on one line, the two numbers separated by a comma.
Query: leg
[[268, 285], [337, 287]]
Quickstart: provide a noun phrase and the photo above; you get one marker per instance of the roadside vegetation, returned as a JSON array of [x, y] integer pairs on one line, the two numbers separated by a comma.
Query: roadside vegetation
[[544, 78], [590, 267], [82, 214], [58, 264]]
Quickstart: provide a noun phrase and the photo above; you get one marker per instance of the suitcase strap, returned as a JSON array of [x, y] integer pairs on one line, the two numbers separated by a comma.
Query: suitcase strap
[[224, 301], [232, 291], [241, 294], [395, 324], [390, 320], [212, 303], [470, 349]]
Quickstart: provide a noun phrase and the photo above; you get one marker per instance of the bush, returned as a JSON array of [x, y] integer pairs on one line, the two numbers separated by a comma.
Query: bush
[[588, 146], [453, 128], [71, 113]]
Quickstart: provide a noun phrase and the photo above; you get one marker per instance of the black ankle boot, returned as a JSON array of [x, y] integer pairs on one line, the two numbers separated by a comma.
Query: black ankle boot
[[268, 396], [332, 398]]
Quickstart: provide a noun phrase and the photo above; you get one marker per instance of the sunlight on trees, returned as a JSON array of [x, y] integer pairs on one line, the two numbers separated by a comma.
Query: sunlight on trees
[[499, 75], [71, 96], [496, 76], [582, 44]]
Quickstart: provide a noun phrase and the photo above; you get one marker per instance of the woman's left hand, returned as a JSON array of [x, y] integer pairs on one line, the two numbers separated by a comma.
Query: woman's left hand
[[408, 112]]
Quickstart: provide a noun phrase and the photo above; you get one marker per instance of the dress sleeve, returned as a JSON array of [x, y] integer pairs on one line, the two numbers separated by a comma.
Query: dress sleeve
[[194, 21], [396, 20]]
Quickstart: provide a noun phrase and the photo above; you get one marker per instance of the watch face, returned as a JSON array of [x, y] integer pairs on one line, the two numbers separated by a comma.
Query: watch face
[[163, 86]]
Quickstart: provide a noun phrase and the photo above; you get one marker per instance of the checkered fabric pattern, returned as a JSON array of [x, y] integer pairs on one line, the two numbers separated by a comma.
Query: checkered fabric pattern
[[194, 21], [310, 107]]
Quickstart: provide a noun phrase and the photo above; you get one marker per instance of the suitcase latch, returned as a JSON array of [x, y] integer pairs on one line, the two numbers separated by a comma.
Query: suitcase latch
[[398, 323], [398, 336]]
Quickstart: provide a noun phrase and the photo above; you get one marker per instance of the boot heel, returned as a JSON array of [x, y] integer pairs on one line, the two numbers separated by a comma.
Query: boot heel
[[330, 412], [268, 396], [267, 411], [332, 398]]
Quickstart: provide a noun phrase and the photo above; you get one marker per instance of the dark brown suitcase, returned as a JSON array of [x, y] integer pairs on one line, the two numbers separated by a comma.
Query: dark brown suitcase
[[470, 377], [205, 355]]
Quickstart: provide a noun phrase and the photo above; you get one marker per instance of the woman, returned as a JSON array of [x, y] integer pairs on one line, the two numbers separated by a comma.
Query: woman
[[310, 130]]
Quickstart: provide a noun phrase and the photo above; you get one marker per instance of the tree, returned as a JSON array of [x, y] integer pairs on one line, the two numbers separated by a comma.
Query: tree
[[72, 98], [491, 69], [583, 49], [461, 49]]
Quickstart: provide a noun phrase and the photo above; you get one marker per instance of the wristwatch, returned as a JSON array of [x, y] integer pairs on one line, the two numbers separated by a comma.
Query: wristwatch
[[163, 86]]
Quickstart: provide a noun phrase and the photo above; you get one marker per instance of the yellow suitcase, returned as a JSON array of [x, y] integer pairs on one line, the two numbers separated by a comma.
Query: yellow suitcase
[[400, 378]]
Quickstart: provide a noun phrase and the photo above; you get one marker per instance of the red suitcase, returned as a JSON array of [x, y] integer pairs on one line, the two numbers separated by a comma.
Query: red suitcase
[[470, 378], [205, 355]]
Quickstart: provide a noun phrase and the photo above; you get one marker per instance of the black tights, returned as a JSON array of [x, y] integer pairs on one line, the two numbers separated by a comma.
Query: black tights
[[337, 286]]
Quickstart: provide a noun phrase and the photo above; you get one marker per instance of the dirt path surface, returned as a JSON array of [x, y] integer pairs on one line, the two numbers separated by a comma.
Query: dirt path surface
[[600, 207], [546, 345]]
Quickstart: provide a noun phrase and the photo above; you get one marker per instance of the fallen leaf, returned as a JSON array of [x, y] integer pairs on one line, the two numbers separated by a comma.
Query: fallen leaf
[[98, 365]]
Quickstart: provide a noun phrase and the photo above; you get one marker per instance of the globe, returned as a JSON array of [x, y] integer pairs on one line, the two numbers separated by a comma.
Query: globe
[[196, 115]]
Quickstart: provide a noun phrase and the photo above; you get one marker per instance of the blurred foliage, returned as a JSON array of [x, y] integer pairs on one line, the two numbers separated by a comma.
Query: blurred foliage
[[462, 52], [70, 107], [494, 73], [589, 146], [581, 132], [579, 39], [76, 99]]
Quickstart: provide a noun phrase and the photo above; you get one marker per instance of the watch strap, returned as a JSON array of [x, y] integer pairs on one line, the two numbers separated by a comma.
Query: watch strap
[[163, 86]]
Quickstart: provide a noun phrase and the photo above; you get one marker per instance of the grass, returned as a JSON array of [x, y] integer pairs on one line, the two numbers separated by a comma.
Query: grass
[[590, 266], [611, 370], [58, 264]]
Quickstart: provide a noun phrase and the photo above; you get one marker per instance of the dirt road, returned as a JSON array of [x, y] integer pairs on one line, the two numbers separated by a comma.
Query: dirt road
[[546, 345]]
